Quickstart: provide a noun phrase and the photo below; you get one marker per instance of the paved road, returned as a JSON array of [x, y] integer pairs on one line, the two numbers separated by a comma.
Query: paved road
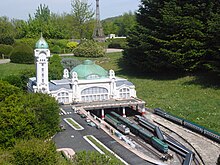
[[77, 143], [4, 61], [109, 50]]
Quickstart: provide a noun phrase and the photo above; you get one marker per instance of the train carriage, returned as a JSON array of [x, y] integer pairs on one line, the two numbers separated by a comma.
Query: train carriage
[[193, 126], [161, 146], [212, 135]]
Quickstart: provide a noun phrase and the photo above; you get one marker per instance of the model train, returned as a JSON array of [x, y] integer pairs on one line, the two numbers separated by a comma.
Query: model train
[[181, 150], [135, 129], [117, 124], [192, 126]]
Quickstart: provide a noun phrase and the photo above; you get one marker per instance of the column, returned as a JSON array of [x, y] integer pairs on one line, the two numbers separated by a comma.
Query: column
[[123, 112], [102, 114], [142, 111]]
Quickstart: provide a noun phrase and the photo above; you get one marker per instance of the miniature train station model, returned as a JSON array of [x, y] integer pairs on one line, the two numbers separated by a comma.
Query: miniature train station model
[[85, 83]]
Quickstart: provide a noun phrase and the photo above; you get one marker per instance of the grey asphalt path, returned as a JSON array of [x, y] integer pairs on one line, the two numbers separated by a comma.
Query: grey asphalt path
[[4, 61], [109, 50]]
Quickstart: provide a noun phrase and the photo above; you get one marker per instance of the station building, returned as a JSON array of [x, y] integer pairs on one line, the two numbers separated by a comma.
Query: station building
[[87, 82]]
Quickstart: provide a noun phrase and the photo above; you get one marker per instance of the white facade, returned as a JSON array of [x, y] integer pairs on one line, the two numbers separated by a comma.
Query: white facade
[[86, 82]]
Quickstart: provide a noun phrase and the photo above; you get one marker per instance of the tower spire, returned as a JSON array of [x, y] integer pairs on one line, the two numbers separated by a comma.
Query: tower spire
[[98, 33]]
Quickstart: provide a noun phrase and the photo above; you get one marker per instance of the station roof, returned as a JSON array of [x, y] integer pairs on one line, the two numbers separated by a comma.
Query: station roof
[[88, 70]]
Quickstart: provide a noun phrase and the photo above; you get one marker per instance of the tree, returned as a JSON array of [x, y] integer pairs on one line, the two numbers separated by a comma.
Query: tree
[[22, 54], [21, 79], [81, 14], [70, 63], [6, 31], [34, 151], [91, 157], [55, 68], [89, 48], [120, 25], [172, 35]]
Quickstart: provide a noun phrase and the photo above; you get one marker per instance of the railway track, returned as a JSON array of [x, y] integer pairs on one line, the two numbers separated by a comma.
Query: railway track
[[195, 160], [146, 147]]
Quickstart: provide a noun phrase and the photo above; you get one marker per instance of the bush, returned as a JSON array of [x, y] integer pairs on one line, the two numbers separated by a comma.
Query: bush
[[56, 49], [70, 63], [43, 152], [89, 48], [7, 40], [118, 43], [22, 54], [27, 41], [71, 45], [6, 50], [61, 43]]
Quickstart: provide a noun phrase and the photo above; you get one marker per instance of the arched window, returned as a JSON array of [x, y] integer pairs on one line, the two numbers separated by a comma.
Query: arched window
[[63, 97], [124, 93], [94, 94]]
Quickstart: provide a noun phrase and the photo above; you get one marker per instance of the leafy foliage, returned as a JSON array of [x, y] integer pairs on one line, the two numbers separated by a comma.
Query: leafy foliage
[[6, 31], [26, 115], [89, 48], [120, 25], [22, 54], [70, 63], [119, 43], [27, 152], [20, 80], [71, 45], [171, 35], [91, 158], [6, 50], [82, 15], [56, 49], [55, 68]]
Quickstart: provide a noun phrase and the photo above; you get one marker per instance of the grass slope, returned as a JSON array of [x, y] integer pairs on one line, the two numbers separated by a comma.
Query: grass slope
[[11, 68]]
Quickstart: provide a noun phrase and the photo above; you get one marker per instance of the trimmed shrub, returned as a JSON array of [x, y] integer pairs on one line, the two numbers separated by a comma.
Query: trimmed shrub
[[7, 40], [22, 54], [56, 49], [118, 43], [6, 50], [71, 45], [61, 43], [89, 48], [27, 41]]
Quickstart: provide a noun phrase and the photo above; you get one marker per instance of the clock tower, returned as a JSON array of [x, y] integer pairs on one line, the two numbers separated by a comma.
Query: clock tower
[[42, 54]]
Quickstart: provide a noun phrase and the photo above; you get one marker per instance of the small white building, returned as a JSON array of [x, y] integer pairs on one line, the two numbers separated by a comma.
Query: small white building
[[86, 82]]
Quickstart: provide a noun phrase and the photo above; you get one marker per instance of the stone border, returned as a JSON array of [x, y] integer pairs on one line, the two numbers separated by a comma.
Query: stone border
[[99, 150], [81, 128]]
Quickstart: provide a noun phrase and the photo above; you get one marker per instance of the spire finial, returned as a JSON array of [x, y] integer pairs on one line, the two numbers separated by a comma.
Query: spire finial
[[41, 34]]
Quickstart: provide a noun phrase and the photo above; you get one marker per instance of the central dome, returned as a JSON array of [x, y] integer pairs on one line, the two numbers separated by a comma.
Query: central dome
[[88, 70], [41, 44]]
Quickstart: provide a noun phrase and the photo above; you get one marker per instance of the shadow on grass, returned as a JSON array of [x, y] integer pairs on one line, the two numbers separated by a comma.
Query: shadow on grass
[[204, 79], [131, 72]]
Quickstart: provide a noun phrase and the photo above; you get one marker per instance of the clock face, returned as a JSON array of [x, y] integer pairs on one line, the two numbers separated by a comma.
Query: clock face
[[42, 58]]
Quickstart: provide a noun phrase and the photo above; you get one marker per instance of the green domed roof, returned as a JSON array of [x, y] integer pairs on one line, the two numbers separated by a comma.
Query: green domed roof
[[89, 70], [41, 44]]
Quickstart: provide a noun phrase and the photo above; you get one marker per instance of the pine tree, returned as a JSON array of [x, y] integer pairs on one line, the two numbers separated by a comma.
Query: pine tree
[[176, 35]]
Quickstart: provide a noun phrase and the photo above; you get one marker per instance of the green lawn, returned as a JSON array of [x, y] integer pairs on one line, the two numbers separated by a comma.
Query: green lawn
[[73, 123], [196, 98], [11, 68]]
